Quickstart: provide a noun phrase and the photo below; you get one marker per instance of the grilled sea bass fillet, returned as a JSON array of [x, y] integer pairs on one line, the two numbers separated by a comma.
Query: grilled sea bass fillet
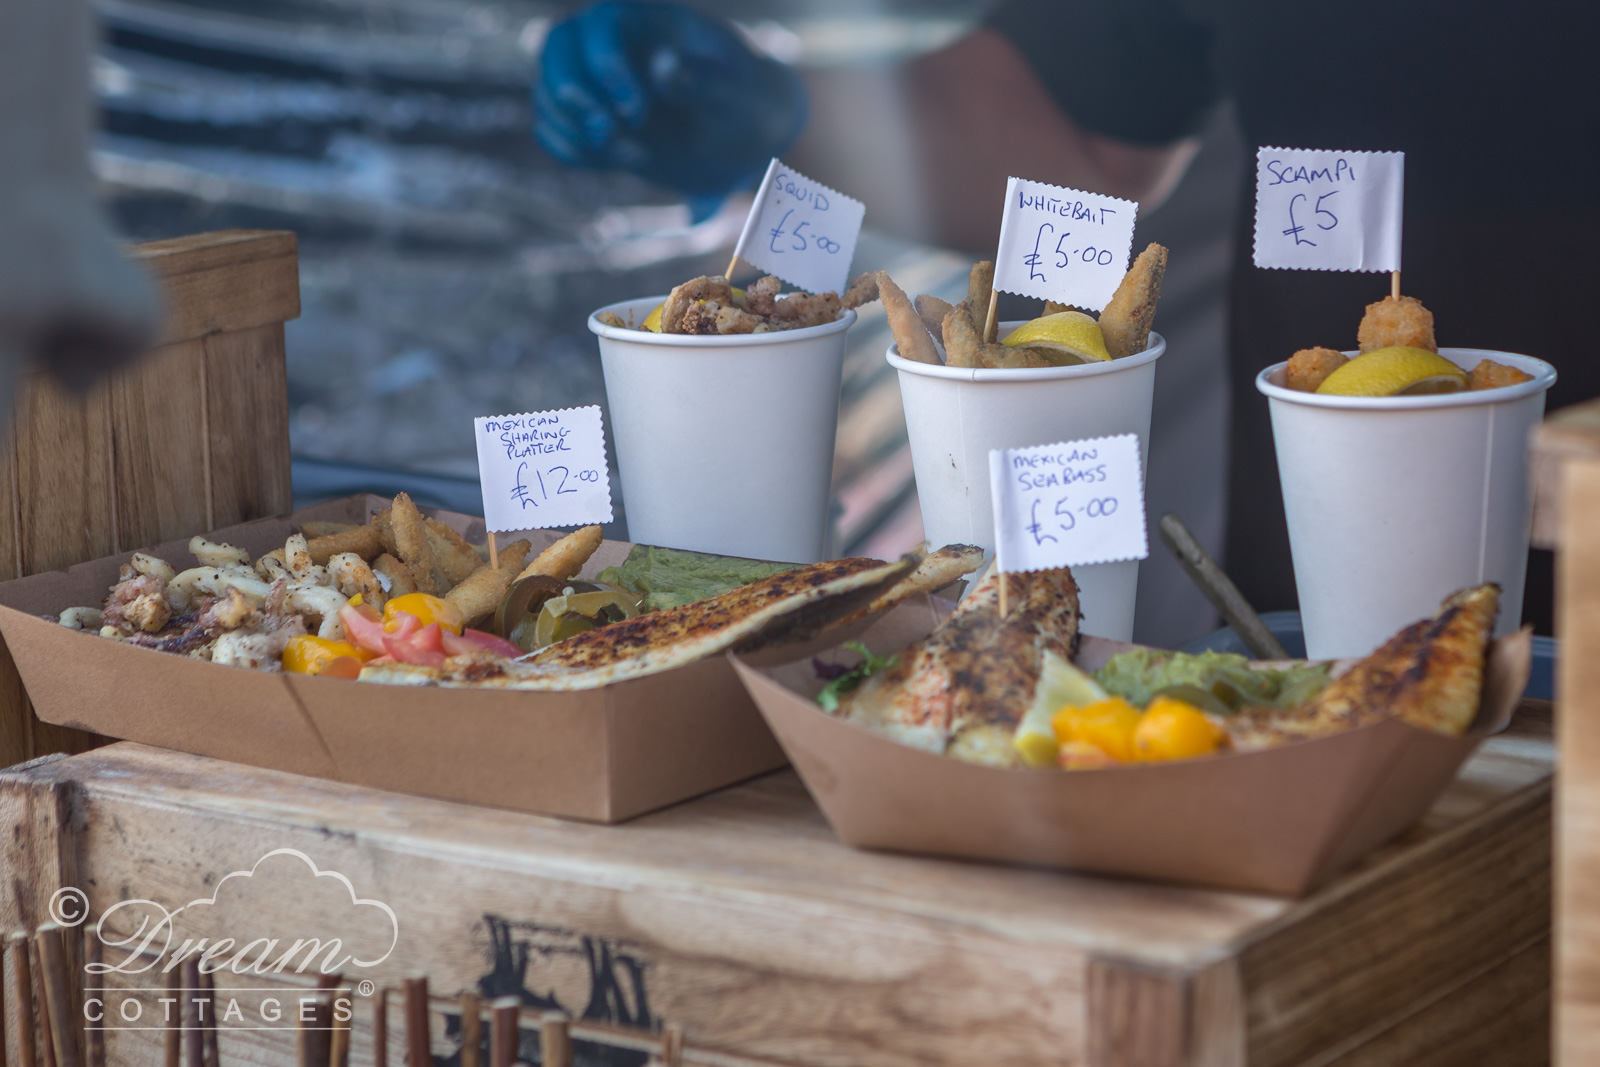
[[1430, 674], [976, 673], [789, 605]]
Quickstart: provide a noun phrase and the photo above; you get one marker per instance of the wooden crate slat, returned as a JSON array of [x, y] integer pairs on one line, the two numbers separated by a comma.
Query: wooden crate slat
[[226, 281], [65, 490], [158, 425], [247, 411]]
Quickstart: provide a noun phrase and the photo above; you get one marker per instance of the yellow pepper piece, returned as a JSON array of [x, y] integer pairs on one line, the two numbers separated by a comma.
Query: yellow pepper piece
[[357, 599], [427, 609], [308, 654], [1036, 750], [1106, 724], [1173, 729]]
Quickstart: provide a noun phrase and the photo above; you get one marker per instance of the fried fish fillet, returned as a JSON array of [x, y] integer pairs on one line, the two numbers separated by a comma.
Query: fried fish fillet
[[937, 570], [976, 671], [785, 606], [932, 310], [1126, 321], [1430, 674], [909, 334], [980, 286]]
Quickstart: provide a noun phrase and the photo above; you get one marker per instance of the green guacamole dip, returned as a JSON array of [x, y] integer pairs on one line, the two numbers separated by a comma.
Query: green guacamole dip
[[672, 577], [1139, 673]]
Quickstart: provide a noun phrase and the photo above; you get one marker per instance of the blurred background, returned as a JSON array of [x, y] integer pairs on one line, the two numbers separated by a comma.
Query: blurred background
[[448, 266]]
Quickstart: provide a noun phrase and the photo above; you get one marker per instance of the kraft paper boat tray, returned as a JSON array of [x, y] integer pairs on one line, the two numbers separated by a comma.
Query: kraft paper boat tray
[[1282, 821], [604, 755]]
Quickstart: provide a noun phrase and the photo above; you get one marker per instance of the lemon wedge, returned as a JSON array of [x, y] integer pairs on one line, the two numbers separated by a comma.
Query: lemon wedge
[[652, 321], [1395, 371], [1071, 335], [1060, 683]]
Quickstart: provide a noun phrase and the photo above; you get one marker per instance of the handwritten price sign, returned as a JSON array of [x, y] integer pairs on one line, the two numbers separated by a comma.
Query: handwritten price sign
[[1062, 244], [802, 231], [1319, 210], [1069, 504], [543, 469]]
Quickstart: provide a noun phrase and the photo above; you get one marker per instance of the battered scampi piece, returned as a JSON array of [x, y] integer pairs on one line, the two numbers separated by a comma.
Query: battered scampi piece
[[963, 688]]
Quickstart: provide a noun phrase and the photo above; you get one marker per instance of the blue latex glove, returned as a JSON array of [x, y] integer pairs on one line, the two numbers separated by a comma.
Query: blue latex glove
[[669, 94]]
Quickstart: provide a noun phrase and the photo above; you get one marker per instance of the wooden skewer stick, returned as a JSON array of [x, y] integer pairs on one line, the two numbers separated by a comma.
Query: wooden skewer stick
[[58, 994], [504, 1031], [555, 1041], [1005, 580], [94, 1033], [733, 265], [41, 1007], [170, 1032], [418, 1050], [471, 1030], [990, 325], [22, 993], [1394, 284], [494, 552], [193, 1048], [380, 1027]]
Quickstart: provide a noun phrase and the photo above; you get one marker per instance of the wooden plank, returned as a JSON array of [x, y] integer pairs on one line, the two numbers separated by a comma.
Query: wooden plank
[[1577, 952], [741, 916], [1571, 433], [247, 412], [65, 489], [1500, 1018], [226, 281], [158, 429], [1353, 959]]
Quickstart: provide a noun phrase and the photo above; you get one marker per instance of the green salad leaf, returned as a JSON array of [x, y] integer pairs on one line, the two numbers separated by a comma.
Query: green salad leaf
[[871, 663]]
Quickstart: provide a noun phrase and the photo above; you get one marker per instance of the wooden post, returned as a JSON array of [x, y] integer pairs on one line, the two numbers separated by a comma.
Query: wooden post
[[210, 1054], [41, 1006], [58, 995], [672, 1045], [22, 993], [471, 1030], [380, 1027], [555, 1041], [315, 1034], [418, 1049], [504, 1031], [193, 1049], [95, 1033]]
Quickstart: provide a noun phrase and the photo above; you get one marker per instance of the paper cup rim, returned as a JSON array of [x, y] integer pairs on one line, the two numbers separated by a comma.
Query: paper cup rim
[[1544, 376], [1153, 351], [846, 319]]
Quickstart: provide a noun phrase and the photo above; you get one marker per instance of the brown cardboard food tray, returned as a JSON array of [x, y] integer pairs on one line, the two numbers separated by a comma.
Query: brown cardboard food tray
[[1280, 821], [604, 755]]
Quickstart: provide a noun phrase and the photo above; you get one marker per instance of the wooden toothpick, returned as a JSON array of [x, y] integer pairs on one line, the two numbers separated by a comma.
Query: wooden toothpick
[[1394, 284], [494, 552], [1005, 580], [990, 326], [733, 265]]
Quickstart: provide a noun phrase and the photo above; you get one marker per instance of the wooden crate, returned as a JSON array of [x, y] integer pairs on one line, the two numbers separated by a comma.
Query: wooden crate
[[1566, 463], [742, 918], [192, 437]]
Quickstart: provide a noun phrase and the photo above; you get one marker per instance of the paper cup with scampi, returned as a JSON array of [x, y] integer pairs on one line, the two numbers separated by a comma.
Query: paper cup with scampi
[[1394, 501], [724, 442]]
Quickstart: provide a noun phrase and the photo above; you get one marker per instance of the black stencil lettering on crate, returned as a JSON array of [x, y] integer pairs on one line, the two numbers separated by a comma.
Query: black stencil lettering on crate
[[552, 968]]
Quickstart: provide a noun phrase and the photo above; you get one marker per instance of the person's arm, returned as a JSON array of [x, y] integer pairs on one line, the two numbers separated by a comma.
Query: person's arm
[[929, 146]]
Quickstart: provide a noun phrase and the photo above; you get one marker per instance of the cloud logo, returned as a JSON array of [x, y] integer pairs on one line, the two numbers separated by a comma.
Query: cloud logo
[[154, 931]]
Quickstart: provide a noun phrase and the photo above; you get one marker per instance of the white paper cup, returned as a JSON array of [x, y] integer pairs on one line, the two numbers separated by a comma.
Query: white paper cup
[[956, 415], [724, 444], [1394, 503]]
